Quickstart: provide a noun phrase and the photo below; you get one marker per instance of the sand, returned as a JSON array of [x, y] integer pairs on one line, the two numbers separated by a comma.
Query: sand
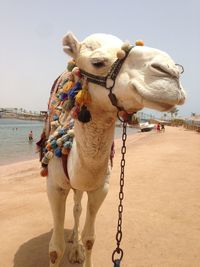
[[161, 219]]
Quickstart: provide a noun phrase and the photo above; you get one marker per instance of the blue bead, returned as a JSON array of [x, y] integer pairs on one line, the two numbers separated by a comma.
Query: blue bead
[[55, 117], [62, 96], [53, 144], [58, 152], [68, 144], [61, 132], [74, 90]]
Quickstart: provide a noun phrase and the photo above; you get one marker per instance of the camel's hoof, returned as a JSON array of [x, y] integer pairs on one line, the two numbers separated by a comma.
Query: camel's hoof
[[53, 256], [76, 254]]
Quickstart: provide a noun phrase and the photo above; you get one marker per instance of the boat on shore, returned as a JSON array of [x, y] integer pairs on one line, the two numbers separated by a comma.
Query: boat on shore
[[146, 126]]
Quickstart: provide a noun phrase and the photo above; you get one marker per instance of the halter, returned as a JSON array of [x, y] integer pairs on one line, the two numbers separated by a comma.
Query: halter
[[108, 81]]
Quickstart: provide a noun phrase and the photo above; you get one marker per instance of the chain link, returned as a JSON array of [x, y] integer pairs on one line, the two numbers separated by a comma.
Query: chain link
[[118, 250]]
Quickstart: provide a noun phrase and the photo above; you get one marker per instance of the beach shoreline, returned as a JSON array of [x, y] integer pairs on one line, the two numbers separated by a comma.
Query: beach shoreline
[[14, 140], [161, 215], [15, 144]]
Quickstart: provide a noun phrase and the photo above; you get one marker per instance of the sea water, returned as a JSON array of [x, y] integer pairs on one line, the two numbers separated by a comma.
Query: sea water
[[14, 142]]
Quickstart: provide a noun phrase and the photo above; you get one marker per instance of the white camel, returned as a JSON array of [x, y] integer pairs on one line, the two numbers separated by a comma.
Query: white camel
[[147, 78]]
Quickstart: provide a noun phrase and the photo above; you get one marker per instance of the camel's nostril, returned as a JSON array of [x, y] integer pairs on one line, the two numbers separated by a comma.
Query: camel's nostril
[[166, 70], [181, 101]]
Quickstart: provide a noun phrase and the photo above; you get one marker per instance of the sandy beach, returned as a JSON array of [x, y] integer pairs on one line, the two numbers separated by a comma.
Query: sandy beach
[[161, 219]]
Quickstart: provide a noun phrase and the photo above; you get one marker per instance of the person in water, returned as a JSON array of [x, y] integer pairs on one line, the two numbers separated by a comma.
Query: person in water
[[30, 136]]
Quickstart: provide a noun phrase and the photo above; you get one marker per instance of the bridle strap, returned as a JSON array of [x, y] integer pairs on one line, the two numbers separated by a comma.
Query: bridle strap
[[112, 74], [108, 81], [116, 67], [94, 78]]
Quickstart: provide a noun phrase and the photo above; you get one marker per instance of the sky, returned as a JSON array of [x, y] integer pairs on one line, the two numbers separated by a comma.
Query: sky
[[31, 55]]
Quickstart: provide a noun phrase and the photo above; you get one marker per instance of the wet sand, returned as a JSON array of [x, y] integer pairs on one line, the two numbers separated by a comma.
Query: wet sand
[[161, 219]]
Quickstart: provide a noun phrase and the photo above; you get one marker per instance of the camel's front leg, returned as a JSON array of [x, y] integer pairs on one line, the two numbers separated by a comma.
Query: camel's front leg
[[76, 252], [57, 199], [95, 199]]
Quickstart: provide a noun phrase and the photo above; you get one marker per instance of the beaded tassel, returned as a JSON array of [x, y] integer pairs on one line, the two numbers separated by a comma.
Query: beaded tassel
[[83, 98], [71, 98]]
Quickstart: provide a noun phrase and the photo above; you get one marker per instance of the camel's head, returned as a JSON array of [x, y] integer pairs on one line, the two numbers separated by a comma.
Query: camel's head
[[148, 77]]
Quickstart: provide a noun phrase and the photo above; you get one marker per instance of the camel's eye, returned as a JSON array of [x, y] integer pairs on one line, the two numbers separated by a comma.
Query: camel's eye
[[98, 62]]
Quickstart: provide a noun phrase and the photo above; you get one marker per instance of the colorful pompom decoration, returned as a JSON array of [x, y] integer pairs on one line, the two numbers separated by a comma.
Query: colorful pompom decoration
[[83, 97], [70, 97], [68, 104], [44, 171], [139, 43], [67, 86], [58, 152], [76, 72], [65, 151], [71, 65], [121, 54], [126, 46], [75, 111], [84, 115]]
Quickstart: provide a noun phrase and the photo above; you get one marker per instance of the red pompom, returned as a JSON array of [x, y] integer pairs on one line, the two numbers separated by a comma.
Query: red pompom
[[76, 71], [75, 111], [44, 171]]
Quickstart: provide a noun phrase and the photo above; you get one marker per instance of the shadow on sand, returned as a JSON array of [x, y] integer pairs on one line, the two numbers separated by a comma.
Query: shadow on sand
[[34, 253]]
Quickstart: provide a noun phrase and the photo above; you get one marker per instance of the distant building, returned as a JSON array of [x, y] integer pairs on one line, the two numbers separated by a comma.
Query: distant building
[[193, 120], [8, 110], [43, 113]]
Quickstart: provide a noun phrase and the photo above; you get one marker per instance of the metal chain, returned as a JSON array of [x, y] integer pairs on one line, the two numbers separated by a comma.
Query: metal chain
[[118, 252]]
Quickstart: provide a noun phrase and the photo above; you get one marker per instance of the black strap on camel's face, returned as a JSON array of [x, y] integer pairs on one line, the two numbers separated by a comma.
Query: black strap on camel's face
[[108, 81]]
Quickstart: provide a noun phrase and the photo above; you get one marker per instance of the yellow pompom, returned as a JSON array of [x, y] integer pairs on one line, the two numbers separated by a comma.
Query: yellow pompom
[[139, 43], [83, 97], [67, 86]]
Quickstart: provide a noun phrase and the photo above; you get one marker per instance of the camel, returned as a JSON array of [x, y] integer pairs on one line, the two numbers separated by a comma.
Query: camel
[[144, 77]]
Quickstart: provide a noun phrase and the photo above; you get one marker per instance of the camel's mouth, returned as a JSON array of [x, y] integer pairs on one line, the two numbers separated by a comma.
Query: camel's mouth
[[157, 97]]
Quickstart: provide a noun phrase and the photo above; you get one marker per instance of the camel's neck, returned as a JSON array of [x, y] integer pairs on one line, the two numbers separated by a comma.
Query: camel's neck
[[94, 139], [88, 162]]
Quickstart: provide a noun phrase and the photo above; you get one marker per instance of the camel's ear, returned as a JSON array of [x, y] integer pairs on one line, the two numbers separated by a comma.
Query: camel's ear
[[71, 45]]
